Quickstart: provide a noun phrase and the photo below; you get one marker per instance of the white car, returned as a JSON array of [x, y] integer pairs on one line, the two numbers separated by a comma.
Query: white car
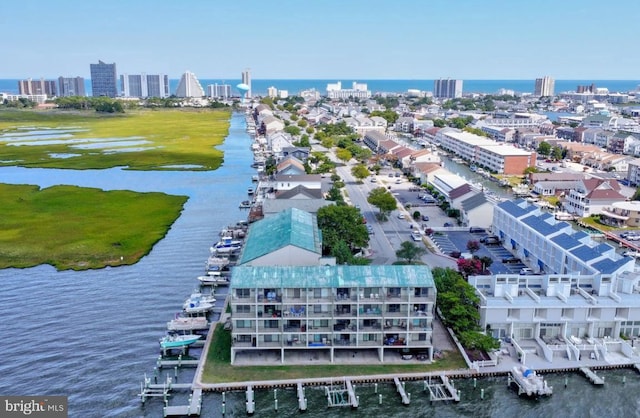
[[416, 236], [400, 215]]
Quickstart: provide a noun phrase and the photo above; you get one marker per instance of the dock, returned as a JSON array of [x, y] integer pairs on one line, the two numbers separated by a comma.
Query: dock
[[251, 403], [590, 374], [193, 408], [400, 389], [302, 400], [441, 390], [341, 395], [353, 399]]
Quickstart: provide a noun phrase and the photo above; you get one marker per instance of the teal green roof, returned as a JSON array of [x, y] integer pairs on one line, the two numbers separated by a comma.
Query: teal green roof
[[289, 227], [331, 276]]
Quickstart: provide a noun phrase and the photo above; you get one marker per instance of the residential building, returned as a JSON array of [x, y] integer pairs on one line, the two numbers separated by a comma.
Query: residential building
[[591, 196], [189, 86], [357, 91], [38, 98], [544, 86], [447, 88], [246, 79], [36, 87], [621, 214], [484, 152], [332, 312], [220, 91], [71, 86], [143, 85], [633, 172], [104, 79]]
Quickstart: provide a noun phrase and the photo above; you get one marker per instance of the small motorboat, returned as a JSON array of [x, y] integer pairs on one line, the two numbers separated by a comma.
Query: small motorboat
[[245, 204], [529, 382], [213, 279], [198, 297], [196, 306], [188, 323], [178, 341], [250, 190]]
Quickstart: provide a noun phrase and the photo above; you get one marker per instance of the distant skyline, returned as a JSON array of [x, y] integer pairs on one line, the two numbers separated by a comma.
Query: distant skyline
[[330, 39]]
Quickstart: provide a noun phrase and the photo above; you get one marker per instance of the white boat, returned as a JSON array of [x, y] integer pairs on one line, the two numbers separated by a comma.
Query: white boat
[[529, 382], [188, 323], [197, 297], [250, 190], [564, 216], [226, 245], [634, 254], [178, 341], [245, 204], [196, 306], [213, 279]]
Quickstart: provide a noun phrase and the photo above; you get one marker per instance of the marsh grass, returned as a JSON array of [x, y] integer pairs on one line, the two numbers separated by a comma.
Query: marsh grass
[[79, 228], [219, 370], [179, 139]]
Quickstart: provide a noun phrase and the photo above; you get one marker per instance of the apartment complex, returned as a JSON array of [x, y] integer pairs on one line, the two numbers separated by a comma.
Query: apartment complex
[[246, 79], [357, 90], [71, 86], [189, 86], [544, 86], [222, 91], [484, 152], [31, 87], [447, 88], [332, 312], [145, 85], [104, 80]]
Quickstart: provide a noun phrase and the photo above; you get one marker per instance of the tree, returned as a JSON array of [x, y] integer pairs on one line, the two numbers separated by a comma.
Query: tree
[[439, 123], [469, 267], [383, 200], [341, 223], [360, 171], [389, 115], [544, 148], [556, 152], [343, 154], [335, 195], [473, 246], [292, 129], [409, 251]]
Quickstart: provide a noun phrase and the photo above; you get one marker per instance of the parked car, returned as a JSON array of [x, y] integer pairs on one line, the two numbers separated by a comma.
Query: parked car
[[510, 260], [425, 218], [373, 180], [416, 236], [398, 174], [400, 215], [490, 240], [526, 270], [447, 224], [477, 230]]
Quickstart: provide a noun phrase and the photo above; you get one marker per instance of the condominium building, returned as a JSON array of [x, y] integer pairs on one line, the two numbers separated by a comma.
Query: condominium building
[[544, 86], [222, 91], [447, 88], [37, 87], [71, 86], [144, 85], [189, 86], [104, 79], [357, 90], [332, 312], [484, 152], [246, 79]]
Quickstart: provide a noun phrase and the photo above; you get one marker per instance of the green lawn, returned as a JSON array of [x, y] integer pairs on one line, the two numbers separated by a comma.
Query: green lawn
[[178, 138], [219, 370], [78, 228]]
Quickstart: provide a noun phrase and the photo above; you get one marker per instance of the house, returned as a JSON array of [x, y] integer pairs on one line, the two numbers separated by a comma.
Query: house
[[271, 124], [332, 313], [476, 210], [591, 196], [290, 238], [301, 153], [621, 214], [290, 165], [278, 141]]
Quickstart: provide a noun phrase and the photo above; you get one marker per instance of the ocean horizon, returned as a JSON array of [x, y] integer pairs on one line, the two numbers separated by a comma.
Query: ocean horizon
[[295, 86]]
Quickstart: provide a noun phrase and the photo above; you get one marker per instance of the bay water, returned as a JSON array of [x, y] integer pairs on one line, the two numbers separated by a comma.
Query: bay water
[[92, 335]]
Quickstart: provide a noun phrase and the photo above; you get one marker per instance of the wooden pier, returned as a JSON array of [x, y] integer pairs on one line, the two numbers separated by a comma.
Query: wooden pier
[[400, 389], [590, 374], [341, 395], [179, 362], [353, 399]]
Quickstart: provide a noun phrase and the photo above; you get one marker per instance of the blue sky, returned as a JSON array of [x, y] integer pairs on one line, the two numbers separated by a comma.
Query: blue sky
[[359, 39]]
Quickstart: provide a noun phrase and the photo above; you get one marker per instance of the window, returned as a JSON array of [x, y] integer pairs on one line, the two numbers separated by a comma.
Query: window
[[394, 307], [243, 293], [243, 323], [271, 323], [243, 309]]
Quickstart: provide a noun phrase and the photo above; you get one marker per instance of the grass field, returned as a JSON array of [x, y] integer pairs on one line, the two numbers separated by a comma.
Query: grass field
[[81, 228], [218, 368], [178, 139]]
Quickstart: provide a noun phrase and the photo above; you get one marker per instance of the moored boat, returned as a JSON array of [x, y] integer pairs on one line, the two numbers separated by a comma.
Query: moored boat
[[188, 323], [178, 341], [529, 382], [213, 279]]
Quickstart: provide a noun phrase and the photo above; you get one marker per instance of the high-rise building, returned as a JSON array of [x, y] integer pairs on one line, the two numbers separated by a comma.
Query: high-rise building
[[272, 92], [104, 80], [222, 91], [42, 86], [71, 86], [189, 86], [357, 91], [144, 85], [246, 79], [544, 86], [447, 88]]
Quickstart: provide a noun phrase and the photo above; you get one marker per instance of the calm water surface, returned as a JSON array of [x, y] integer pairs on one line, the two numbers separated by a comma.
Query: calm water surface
[[92, 335]]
